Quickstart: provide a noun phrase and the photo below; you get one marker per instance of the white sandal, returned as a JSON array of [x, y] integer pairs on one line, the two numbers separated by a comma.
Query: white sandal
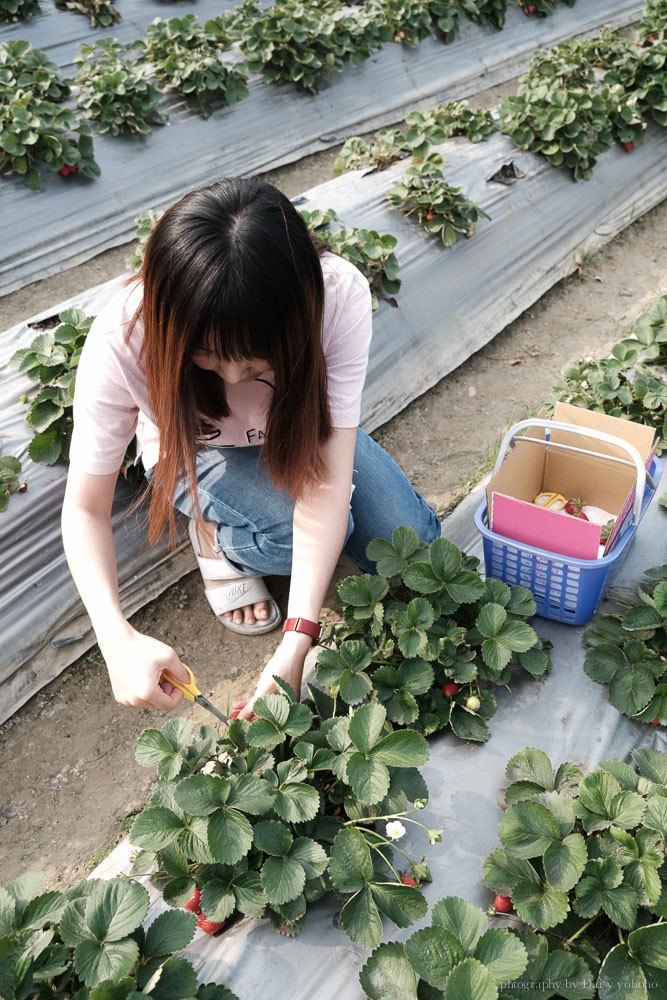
[[242, 591]]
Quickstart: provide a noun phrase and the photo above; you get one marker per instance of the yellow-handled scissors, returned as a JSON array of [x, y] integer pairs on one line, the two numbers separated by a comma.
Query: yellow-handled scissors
[[192, 692], [551, 501]]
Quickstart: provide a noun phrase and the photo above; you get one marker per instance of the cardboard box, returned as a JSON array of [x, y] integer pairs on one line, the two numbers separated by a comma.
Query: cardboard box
[[532, 467]]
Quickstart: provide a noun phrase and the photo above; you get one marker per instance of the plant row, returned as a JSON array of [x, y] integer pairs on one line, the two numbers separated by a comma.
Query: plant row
[[580, 878], [121, 87], [575, 101]]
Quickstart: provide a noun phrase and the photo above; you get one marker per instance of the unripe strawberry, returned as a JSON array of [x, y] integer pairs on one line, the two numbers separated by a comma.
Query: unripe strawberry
[[656, 721], [450, 689], [503, 903], [473, 703]]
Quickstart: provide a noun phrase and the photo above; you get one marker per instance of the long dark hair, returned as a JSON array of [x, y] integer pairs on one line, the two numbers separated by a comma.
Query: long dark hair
[[231, 268]]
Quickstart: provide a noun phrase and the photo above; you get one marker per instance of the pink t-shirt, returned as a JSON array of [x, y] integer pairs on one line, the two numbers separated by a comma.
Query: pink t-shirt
[[111, 396]]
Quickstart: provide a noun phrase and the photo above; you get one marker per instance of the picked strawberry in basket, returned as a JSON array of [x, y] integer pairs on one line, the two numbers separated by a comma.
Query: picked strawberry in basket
[[563, 505]]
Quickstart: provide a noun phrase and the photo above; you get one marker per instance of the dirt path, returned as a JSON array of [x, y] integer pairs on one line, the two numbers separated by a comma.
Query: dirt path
[[69, 779]]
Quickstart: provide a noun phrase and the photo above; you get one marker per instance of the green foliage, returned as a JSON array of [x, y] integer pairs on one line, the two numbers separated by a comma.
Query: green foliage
[[649, 333], [583, 857], [115, 91], [569, 126], [10, 467], [145, 222], [186, 59], [51, 360], [421, 130], [628, 651], [458, 956], [371, 252], [35, 127], [442, 210], [18, 10], [541, 8], [617, 385], [276, 813], [405, 21], [303, 43], [100, 13], [426, 620], [653, 24], [89, 941]]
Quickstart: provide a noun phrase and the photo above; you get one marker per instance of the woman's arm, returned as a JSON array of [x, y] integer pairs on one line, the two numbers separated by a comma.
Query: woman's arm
[[135, 661], [320, 525]]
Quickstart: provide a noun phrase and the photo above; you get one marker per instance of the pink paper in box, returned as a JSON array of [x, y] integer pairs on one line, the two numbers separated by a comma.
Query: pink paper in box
[[543, 528]]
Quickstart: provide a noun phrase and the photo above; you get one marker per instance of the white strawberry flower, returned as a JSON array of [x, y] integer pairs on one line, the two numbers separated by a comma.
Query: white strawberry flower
[[395, 830]]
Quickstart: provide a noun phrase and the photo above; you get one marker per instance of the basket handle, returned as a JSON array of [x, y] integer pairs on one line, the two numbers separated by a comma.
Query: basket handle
[[586, 432]]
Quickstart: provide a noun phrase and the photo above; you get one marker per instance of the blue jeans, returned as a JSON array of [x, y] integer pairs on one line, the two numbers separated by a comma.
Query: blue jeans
[[255, 519]]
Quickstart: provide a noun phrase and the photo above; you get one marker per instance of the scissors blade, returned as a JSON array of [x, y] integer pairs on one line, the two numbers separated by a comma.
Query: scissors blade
[[205, 703]]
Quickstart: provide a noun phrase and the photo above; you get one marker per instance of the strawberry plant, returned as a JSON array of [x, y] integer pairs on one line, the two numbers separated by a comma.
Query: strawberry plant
[[457, 956], [442, 210], [90, 942], [304, 44], [628, 651], [653, 25], [568, 125], [425, 635], [100, 13], [405, 21], [10, 467], [387, 146], [18, 10], [34, 126], [422, 128], [642, 73], [617, 385], [491, 12], [145, 222], [185, 58], [51, 360], [276, 813], [115, 91], [371, 252], [24, 68], [649, 333], [583, 858]]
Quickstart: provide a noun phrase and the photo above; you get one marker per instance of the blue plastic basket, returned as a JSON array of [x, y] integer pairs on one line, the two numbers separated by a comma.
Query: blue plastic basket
[[565, 589]]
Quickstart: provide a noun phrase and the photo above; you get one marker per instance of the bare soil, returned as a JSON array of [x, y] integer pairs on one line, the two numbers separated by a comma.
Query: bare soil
[[70, 784]]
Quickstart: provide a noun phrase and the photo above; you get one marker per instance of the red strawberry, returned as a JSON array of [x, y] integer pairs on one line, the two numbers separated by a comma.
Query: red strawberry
[[628, 146], [23, 488], [409, 880], [209, 926], [67, 169], [580, 514], [656, 721], [194, 904], [429, 216], [450, 689], [503, 903], [234, 714], [530, 9]]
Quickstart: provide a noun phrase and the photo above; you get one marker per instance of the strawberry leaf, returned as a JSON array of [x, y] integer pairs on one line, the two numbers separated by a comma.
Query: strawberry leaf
[[434, 952], [389, 970]]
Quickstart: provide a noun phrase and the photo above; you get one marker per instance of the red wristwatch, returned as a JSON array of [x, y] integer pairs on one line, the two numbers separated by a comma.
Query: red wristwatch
[[313, 629]]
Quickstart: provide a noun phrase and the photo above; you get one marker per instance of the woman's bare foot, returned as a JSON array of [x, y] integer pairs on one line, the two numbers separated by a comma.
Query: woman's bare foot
[[247, 615]]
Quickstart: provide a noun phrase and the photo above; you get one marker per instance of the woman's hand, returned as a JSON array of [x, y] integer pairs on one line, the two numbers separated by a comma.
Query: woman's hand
[[135, 663], [287, 662]]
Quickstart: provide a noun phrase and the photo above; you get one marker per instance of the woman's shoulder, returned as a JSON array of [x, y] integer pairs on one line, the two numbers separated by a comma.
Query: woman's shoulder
[[337, 271], [114, 319]]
